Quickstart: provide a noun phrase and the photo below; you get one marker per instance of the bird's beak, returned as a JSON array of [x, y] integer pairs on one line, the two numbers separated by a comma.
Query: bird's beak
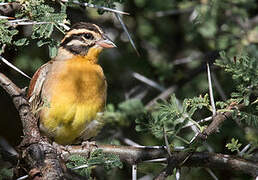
[[105, 42]]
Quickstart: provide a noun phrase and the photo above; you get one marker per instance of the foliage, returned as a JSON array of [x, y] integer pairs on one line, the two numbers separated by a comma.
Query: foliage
[[37, 11], [244, 71], [170, 117], [6, 173], [234, 145], [108, 161], [6, 35], [49, 16], [175, 39], [248, 118], [126, 112]]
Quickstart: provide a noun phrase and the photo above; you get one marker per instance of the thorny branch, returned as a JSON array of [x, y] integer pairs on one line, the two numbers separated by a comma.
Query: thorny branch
[[37, 155], [45, 161], [218, 120]]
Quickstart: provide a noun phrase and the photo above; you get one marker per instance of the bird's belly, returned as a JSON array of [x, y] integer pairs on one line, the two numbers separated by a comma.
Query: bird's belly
[[76, 98]]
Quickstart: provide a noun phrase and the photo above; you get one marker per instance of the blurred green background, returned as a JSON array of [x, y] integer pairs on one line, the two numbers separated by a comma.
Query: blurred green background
[[175, 39]]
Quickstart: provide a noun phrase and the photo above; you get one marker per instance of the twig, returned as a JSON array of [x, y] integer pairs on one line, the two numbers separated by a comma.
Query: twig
[[173, 162], [97, 7], [2, 4], [218, 119], [211, 173], [193, 139], [163, 95], [200, 121], [141, 95], [211, 91], [148, 81], [134, 172], [127, 32], [18, 20], [188, 59], [23, 177], [64, 26], [7, 147], [14, 67], [130, 142], [182, 139], [146, 177], [157, 160], [20, 23], [6, 17], [80, 167], [177, 173], [166, 141], [244, 149], [137, 92]]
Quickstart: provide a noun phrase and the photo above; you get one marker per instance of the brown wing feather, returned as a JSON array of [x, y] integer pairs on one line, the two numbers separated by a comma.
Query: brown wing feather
[[36, 85]]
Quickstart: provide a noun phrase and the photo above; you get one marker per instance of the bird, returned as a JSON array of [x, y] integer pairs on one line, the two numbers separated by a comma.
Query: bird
[[68, 92]]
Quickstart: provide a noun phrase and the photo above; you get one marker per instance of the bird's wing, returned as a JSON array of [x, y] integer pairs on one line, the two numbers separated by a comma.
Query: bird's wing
[[36, 84]]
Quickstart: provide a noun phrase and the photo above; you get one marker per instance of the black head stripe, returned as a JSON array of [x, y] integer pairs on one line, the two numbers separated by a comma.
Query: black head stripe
[[70, 38], [78, 50], [75, 37], [84, 25]]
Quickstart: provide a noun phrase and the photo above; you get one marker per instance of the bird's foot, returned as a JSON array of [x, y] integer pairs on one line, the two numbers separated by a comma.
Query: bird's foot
[[89, 144], [60, 148]]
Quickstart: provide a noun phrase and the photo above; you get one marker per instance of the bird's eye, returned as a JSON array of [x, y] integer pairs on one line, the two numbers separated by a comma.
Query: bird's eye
[[88, 36]]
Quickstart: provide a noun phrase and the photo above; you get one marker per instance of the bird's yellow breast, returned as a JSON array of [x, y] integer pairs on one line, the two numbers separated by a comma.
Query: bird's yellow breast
[[75, 93]]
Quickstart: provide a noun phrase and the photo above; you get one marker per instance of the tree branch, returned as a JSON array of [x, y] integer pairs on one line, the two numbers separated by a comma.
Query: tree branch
[[133, 155], [38, 155], [45, 161], [30, 128], [219, 119]]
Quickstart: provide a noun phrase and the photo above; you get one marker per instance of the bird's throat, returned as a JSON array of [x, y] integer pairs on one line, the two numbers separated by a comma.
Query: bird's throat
[[93, 54]]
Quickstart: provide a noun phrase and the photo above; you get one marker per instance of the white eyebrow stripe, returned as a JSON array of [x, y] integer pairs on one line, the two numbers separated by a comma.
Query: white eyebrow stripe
[[75, 42], [81, 31]]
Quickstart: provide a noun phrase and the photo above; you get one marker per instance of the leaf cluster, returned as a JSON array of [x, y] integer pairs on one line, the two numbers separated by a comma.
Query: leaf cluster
[[41, 12], [170, 117], [224, 20], [234, 145], [108, 161], [6, 34], [244, 71], [125, 113]]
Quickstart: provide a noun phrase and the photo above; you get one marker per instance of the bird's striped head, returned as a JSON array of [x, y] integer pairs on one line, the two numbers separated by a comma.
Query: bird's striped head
[[84, 38]]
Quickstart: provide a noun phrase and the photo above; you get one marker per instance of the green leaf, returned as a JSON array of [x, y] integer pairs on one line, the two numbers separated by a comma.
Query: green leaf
[[42, 42], [21, 42], [52, 51], [97, 157], [234, 145]]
